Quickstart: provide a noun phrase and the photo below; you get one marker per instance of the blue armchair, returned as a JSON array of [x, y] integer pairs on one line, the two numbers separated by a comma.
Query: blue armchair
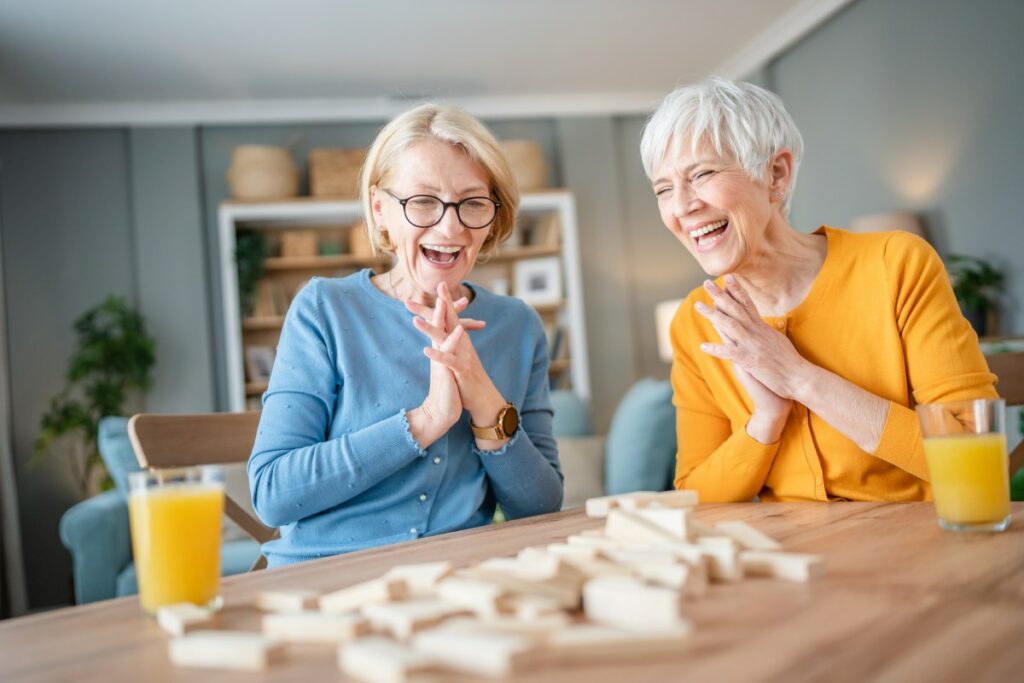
[[96, 532]]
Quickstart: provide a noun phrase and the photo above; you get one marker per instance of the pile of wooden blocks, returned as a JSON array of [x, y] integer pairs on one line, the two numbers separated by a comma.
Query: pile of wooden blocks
[[611, 594]]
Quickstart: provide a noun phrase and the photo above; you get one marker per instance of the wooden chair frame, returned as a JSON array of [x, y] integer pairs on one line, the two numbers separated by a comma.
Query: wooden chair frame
[[204, 439]]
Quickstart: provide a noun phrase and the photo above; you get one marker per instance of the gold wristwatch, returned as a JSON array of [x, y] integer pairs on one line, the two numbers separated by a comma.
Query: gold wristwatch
[[508, 423]]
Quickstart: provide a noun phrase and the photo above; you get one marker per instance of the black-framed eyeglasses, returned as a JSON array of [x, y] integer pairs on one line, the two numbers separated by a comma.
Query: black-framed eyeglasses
[[426, 210]]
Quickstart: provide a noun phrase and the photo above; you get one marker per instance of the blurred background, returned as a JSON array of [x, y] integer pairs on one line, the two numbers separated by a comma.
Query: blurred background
[[120, 121]]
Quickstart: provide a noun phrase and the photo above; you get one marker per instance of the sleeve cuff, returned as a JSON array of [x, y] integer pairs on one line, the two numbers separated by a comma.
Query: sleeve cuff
[[900, 444], [410, 439], [501, 451]]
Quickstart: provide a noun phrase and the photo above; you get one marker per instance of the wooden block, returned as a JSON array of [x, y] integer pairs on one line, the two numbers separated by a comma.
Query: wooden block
[[566, 593], [572, 551], [533, 608], [287, 600], [799, 567], [747, 536], [482, 597], [380, 660], [630, 527], [663, 499], [402, 619], [597, 567], [183, 618], [673, 520], [537, 629], [367, 593], [421, 578], [723, 554], [600, 507], [633, 604], [593, 644], [239, 650], [477, 651], [314, 627]]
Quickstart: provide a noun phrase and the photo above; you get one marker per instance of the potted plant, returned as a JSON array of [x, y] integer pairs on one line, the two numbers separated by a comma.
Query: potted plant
[[250, 250], [114, 356], [977, 286]]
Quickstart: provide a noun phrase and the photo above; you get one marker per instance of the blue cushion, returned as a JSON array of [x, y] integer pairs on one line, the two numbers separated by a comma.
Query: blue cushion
[[116, 451], [235, 558], [640, 453], [572, 418]]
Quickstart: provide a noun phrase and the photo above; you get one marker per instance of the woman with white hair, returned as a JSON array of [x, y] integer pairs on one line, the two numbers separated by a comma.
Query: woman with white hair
[[796, 369], [367, 437]]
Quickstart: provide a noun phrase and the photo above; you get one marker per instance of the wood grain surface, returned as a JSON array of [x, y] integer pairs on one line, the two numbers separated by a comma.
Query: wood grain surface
[[902, 601]]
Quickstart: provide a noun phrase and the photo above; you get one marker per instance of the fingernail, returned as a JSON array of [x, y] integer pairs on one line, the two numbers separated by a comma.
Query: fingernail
[[702, 307], [729, 279], [708, 284], [705, 347]]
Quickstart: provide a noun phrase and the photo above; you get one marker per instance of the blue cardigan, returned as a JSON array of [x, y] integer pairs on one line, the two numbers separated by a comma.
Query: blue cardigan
[[334, 464]]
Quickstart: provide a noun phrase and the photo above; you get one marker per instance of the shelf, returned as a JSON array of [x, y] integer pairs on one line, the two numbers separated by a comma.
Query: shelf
[[324, 262], [549, 309], [264, 323], [517, 253]]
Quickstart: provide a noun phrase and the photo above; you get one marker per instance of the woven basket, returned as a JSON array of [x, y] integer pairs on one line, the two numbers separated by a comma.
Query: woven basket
[[262, 172], [528, 164], [335, 172]]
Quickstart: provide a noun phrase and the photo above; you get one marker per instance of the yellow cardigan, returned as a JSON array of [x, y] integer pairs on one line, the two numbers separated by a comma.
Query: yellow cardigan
[[882, 315]]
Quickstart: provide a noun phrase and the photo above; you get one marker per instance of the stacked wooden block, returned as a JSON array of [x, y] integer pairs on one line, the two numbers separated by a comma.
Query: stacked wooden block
[[606, 595]]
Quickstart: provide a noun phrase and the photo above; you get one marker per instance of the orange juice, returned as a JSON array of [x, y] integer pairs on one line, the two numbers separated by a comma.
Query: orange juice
[[969, 477], [176, 542]]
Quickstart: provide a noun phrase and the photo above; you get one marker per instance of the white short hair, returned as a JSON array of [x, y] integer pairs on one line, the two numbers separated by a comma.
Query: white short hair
[[738, 120]]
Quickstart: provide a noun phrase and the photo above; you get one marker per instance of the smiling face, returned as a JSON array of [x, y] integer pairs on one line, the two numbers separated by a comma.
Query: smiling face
[[446, 252], [719, 213]]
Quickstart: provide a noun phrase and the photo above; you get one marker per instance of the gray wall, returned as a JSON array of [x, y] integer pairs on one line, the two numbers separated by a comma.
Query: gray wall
[[916, 105], [65, 217]]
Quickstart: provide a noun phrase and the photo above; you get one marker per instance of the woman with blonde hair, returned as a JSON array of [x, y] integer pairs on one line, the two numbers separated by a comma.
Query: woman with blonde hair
[[796, 370], [367, 437]]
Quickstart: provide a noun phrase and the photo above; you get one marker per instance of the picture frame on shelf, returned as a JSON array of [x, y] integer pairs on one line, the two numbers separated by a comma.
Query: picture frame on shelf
[[259, 361], [539, 280]]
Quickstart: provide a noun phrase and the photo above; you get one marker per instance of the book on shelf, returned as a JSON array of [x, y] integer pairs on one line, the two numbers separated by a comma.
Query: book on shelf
[[545, 231]]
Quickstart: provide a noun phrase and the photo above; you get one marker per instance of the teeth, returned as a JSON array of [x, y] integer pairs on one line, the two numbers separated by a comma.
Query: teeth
[[442, 248], [700, 232]]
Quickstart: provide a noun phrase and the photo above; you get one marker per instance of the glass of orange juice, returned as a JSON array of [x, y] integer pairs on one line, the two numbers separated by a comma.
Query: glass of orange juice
[[175, 517], [965, 446]]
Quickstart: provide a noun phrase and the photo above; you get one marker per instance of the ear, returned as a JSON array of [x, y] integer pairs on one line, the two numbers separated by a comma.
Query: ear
[[376, 205], [781, 173]]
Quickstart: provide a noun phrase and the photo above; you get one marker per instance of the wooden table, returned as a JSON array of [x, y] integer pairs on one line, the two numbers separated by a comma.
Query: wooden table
[[902, 601]]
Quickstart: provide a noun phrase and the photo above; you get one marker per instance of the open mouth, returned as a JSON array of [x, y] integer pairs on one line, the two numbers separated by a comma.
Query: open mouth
[[441, 255], [709, 235]]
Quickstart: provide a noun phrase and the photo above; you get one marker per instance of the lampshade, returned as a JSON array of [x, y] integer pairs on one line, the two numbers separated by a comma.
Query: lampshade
[[893, 220], [663, 314]]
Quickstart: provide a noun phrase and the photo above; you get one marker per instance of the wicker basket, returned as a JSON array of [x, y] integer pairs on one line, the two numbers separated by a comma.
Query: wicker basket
[[335, 172], [528, 164]]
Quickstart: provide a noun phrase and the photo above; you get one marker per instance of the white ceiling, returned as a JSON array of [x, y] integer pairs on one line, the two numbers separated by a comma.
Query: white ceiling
[[145, 61]]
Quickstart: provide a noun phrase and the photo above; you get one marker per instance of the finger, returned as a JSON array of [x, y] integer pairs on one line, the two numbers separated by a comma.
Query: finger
[[717, 350], [472, 324], [738, 293], [453, 339], [439, 314], [434, 333], [461, 304], [422, 310], [727, 328], [725, 302], [451, 315], [443, 357]]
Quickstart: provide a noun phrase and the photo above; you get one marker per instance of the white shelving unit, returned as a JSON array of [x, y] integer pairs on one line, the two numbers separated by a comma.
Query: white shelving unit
[[313, 213]]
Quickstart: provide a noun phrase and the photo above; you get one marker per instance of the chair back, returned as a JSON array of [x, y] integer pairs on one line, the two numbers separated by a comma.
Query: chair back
[[205, 439], [1009, 368]]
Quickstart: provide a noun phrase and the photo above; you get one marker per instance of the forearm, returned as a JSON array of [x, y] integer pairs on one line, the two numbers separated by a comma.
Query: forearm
[[289, 484], [524, 475], [734, 472], [855, 413]]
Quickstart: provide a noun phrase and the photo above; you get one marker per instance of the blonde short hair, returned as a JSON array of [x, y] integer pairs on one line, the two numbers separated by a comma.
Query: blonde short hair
[[454, 126], [738, 120]]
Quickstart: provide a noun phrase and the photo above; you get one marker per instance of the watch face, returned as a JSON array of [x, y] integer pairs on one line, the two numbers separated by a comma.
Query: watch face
[[509, 421]]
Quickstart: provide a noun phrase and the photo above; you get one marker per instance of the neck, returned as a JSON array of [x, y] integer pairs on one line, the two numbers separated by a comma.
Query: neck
[[779, 271], [398, 285]]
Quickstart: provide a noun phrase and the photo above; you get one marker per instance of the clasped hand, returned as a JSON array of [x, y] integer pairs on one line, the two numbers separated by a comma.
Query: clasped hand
[[457, 377], [765, 361]]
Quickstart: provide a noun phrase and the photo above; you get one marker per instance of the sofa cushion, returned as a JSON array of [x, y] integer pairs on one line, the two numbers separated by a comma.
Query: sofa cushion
[[640, 453], [572, 417], [116, 451]]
